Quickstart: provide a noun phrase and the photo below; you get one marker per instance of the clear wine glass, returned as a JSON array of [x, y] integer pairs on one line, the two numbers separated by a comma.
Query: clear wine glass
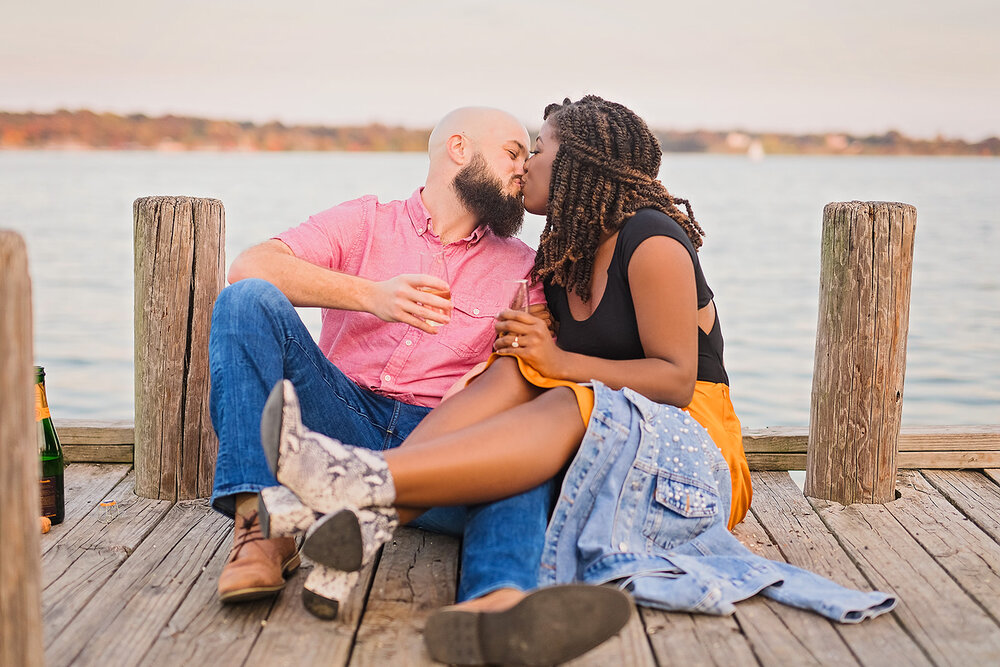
[[515, 294], [433, 263]]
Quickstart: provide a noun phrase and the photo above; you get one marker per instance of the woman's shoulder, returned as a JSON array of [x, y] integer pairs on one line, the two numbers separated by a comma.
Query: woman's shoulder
[[648, 222]]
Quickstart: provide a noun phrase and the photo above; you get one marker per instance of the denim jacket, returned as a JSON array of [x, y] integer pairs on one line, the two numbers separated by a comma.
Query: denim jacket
[[644, 504]]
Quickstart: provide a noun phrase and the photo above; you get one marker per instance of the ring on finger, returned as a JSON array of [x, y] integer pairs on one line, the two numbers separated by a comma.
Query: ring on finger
[[515, 343]]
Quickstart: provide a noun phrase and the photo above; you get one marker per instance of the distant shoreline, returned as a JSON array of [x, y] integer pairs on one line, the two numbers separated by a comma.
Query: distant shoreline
[[86, 130]]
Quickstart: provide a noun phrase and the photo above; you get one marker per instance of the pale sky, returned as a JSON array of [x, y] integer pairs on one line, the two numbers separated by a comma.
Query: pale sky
[[860, 66]]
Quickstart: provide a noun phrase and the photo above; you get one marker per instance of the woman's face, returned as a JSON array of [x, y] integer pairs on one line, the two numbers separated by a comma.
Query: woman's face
[[538, 170]]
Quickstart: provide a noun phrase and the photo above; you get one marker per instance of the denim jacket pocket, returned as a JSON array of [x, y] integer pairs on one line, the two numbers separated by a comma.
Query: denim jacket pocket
[[683, 508]]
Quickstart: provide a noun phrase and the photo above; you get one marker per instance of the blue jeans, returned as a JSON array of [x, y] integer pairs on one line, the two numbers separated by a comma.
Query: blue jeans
[[257, 339]]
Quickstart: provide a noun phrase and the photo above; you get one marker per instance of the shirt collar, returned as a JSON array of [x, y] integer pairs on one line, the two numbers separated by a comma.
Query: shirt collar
[[420, 217]]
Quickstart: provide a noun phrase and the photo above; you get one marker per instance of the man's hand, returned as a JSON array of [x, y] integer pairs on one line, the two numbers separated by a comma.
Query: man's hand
[[412, 299]]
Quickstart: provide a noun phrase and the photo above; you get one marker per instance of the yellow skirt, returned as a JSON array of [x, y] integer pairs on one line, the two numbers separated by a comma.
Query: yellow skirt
[[584, 395], [711, 407]]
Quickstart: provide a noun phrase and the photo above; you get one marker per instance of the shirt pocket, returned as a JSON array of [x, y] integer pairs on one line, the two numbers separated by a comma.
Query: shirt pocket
[[682, 507], [470, 333]]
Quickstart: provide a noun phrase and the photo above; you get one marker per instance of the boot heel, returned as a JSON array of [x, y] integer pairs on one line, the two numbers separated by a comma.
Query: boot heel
[[324, 589], [350, 538], [335, 541]]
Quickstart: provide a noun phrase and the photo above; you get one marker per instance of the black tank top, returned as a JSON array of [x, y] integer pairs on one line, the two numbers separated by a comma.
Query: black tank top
[[612, 332]]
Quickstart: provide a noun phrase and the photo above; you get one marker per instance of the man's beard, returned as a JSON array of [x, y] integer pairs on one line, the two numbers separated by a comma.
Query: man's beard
[[482, 195]]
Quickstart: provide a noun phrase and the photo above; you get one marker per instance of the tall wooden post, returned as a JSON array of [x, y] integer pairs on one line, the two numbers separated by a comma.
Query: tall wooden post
[[857, 391], [20, 505], [179, 271]]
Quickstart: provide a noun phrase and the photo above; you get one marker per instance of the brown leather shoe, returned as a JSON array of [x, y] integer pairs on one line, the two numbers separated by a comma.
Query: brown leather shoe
[[257, 566]]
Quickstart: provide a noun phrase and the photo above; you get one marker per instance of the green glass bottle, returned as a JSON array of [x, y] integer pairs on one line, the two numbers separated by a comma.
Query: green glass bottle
[[53, 500]]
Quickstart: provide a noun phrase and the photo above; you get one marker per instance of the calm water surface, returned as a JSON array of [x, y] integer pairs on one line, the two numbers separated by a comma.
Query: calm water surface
[[761, 257]]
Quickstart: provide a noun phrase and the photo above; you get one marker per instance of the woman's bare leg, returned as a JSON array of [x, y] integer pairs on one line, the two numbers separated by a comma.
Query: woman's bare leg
[[500, 387], [507, 453]]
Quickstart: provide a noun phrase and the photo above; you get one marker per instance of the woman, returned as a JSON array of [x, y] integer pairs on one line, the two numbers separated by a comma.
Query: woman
[[622, 278]]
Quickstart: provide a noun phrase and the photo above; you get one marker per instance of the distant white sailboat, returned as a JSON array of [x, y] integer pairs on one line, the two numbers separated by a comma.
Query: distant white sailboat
[[756, 150]]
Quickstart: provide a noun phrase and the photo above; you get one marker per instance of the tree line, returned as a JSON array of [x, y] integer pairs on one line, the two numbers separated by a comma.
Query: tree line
[[89, 130]]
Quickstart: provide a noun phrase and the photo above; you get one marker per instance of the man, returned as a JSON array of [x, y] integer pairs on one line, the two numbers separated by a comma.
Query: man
[[388, 350]]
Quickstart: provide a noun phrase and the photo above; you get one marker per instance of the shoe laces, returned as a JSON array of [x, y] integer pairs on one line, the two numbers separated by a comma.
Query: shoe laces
[[248, 530]]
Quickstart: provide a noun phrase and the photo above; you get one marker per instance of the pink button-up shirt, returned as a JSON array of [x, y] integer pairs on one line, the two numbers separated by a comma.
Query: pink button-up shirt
[[377, 241]]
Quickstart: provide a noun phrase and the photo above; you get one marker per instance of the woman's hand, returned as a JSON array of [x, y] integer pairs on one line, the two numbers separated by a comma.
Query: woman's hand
[[528, 337]]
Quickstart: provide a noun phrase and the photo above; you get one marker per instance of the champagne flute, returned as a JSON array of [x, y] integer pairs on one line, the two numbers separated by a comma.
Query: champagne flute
[[433, 263], [515, 294]]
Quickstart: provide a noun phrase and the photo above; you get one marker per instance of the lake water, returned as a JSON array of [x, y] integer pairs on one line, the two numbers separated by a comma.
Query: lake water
[[761, 256]]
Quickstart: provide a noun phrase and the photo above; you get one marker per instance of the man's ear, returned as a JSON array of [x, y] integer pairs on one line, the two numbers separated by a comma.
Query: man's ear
[[459, 149]]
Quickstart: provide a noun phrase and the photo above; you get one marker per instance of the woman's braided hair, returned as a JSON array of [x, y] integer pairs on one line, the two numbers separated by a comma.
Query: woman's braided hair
[[604, 171]]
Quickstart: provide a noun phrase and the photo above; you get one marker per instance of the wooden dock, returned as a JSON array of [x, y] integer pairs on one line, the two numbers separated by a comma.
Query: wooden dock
[[130, 579], [134, 584]]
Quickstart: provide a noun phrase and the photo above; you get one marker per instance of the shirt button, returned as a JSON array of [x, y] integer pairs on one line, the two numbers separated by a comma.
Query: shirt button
[[386, 377], [409, 342], [475, 311]]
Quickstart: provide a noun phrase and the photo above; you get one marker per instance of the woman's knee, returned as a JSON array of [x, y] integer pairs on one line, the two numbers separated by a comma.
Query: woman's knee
[[504, 375]]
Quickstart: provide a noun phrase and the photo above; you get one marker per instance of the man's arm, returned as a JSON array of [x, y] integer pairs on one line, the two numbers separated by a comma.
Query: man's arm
[[399, 299]]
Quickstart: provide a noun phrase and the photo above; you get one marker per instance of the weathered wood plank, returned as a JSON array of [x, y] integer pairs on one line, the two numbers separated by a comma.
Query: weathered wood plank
[[973, 493], [204, 631], [98, 453], [784, 448], [776, 461], [949, 438], [949, 460], [971, 556], [292, 637], [794, 439], [147, 607], [95, 431], [171, 562], [417, 574], [977, 496], [804, 541], [150, 584], [78, 567], [993, 473], [696, 639], [782, 635], [949, 626], [20, 591], [86, 485], [629, 647]]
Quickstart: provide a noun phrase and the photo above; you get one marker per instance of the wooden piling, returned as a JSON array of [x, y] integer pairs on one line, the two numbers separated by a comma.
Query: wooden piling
[[20, 505], [179, 271], [860, 358]]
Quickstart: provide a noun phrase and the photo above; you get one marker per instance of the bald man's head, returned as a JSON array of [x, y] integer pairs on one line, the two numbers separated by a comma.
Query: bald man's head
[[480, 125], [479, 154]]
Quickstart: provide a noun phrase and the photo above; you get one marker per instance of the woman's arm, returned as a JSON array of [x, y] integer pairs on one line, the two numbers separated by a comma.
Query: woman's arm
[[661, 278]]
